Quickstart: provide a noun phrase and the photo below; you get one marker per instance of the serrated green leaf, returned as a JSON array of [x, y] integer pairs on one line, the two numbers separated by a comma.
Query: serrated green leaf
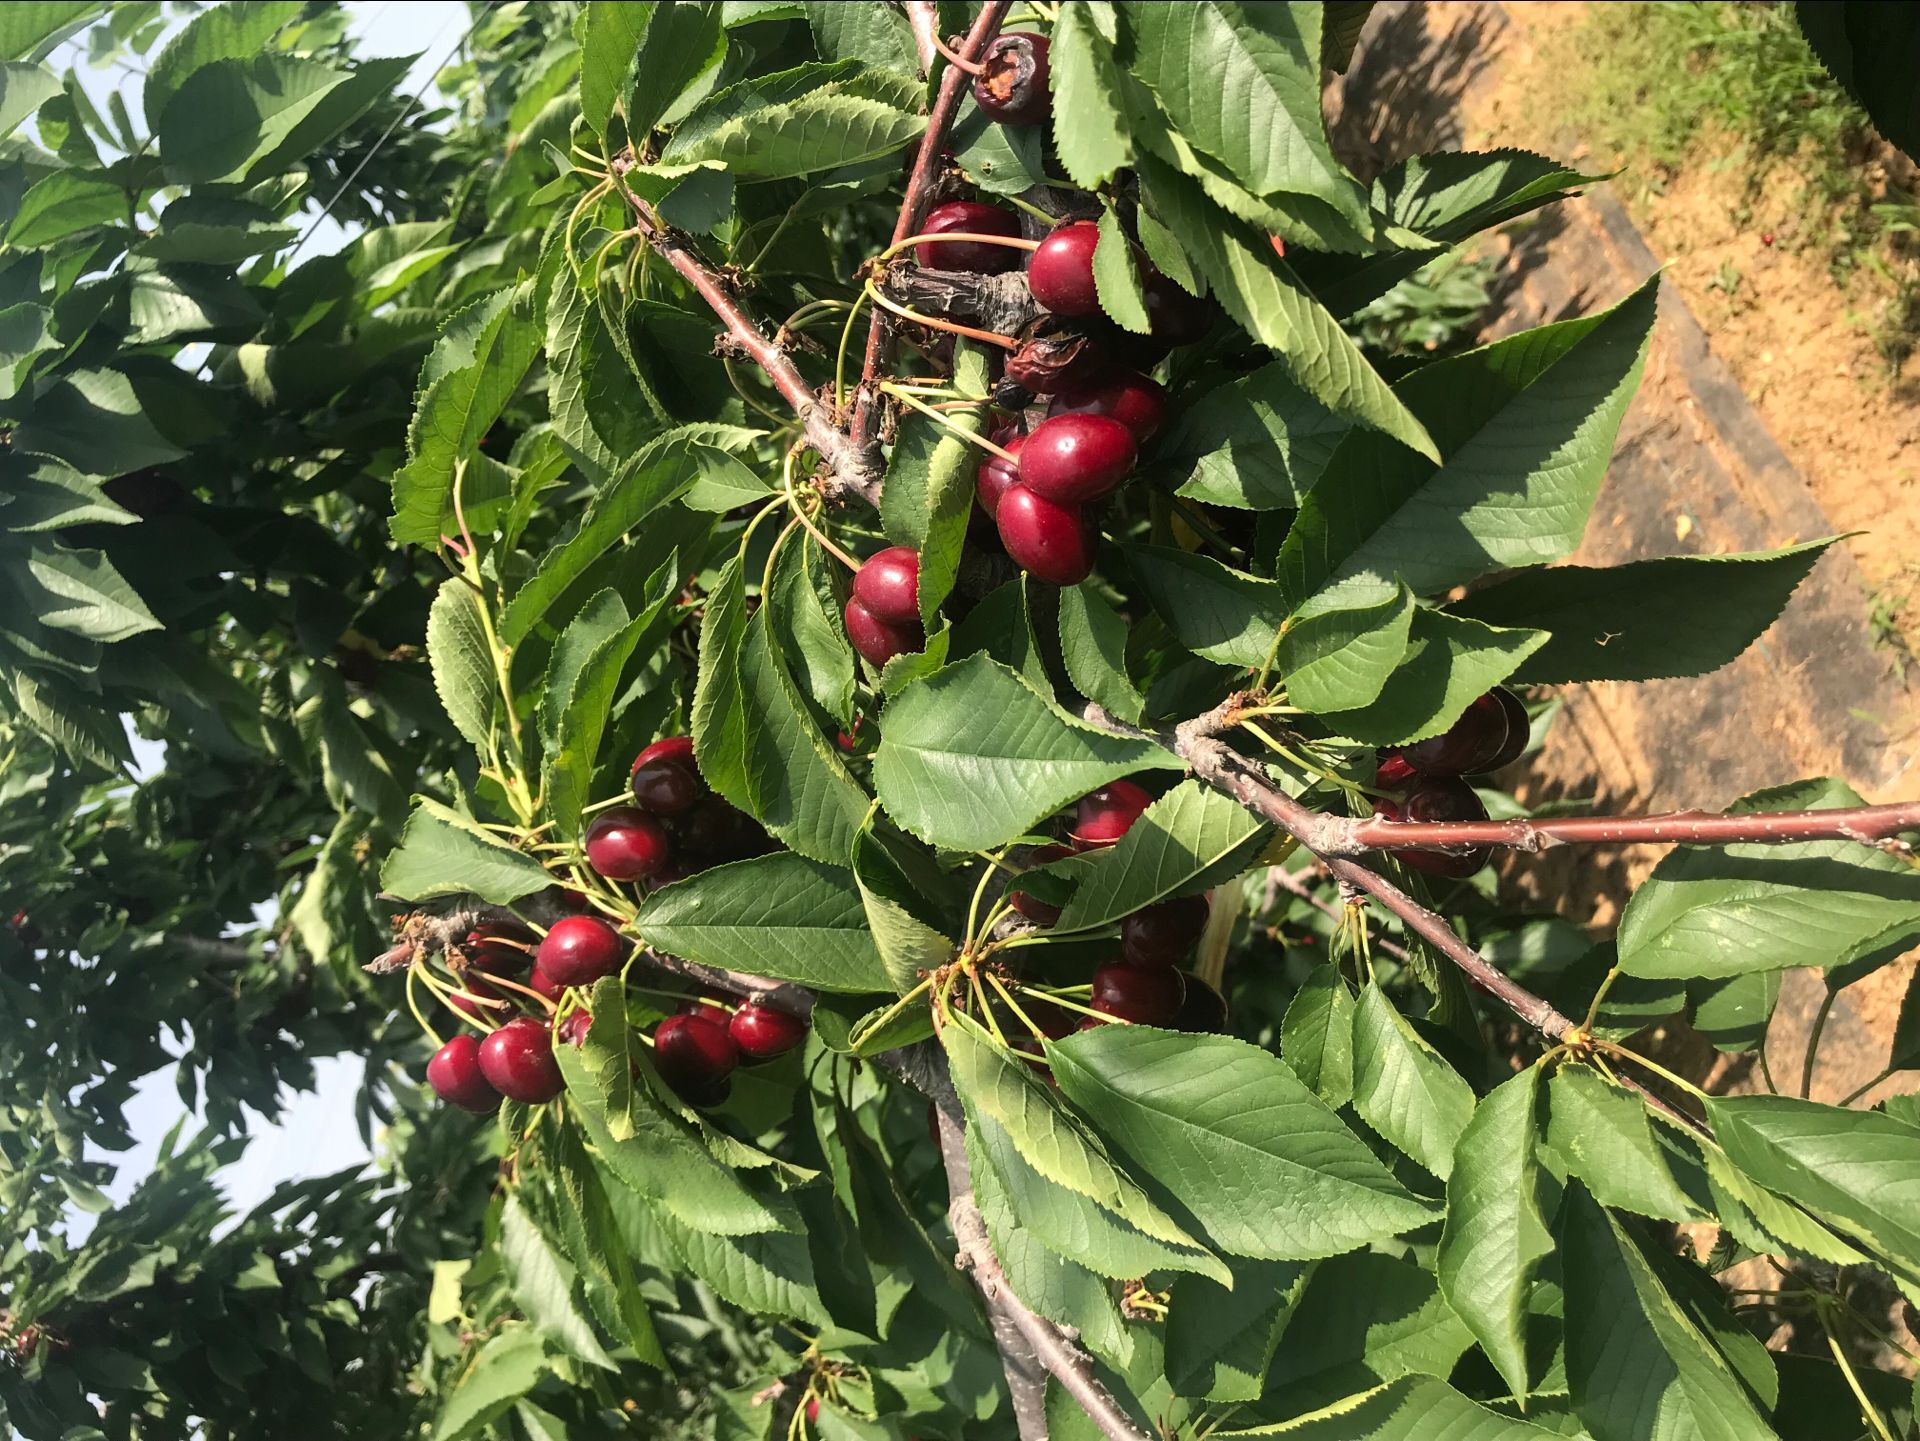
[[1093, 144], [1449, 663], [928, 497], [679, 44], [1616, 622], [75, 724], [1337, 660], [1212, 609], [1256, 443], [1261, 1162], [1179, 839], [766, 1273], [1602, 1134], [1093, 646], [1411, 1408], [62, 205], [781, 916], [36, 25], [823, 130], [543, 1286], [1764, 1222], [1495, 1234], [225, 32], [1220, 1340], [98, 422], [80, 592], [462, 660], [505, 1369], [23, 90], [254, 115], [1116, 278], [442, 854], [1403, 1088], [1316, 1036], [973, 756], [908, 946], [872, 34]]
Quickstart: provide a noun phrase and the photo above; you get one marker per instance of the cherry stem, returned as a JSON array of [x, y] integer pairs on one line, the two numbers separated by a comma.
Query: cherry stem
[[1007, 995], [958, 62], [933, 322], [413, 1004], [800, 514], [972, 437], [1034, 210], [1012, 242]]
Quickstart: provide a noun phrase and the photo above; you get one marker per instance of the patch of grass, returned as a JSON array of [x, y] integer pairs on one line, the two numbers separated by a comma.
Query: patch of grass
[[1435, 311], [1888, 620]]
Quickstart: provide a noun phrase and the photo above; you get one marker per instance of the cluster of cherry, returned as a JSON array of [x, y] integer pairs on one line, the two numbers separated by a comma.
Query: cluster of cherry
[[1427, 778]]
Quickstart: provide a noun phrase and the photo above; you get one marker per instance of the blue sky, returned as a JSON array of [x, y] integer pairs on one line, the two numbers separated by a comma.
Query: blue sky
[[316, 1134]]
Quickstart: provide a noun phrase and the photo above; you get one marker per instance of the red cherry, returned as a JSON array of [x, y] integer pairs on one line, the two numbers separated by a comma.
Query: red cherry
[[664, 778], [1050, 542], [1164, 933], [1519, 730], [1136, 401], [1173, 316], [719, 830], [711, 1007], [455, 1075], [1204, 1010], [1439, 798], [578, 951], [573, 1030], [813, 1408], [1105, 815], [875, 639], [1145, 995], [1012, 86], [1391, 772], [762, 1033], [626, 844], [977, 219], [1060, 274], [1032, 907], [1070, 459], [888, 585], [480, 1001], [696, 1057], [545, 984], [1466, 746], [518, 1062], [995, 475]]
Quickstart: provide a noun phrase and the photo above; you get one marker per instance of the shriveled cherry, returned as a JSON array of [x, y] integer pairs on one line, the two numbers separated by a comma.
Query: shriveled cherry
[[1012, 86], [761, 1032], [1164, 933], [1071, 459], [1030, 906], [1439, 798], [879, 641], [1519, 729], [973, 218], [995, 475], [696, 1057], [888, 585], [1060, 273], [1105, 815], [1204, 1010], [1049, 541], [1145, 995], [1137, 401], [518, 1062], [664, 778], [455, 1075], [578, 951], [1466, 746], [626, 844]]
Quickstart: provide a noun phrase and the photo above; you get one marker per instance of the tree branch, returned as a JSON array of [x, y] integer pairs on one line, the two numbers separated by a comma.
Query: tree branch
[[1870, 825], [1288, 881], [924, 17], [865, 428]]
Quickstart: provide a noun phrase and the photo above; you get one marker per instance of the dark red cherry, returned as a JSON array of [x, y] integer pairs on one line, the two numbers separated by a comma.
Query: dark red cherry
[[1173, 316], [518, 1062], [1164, 933], [877, 640], [761, 1032], [974, 218], [1145, 995], [1032, 907], [696, 1057], [1050, 542], [1071, 459], [1466, 746], [664, 778], [1012, 86], [578, 951], [1439, 798], [573, 1030], [1392, 773], [1138, 402], [1519, 730], [713, 1007], [721, 831], [545, 984], [1105, 815], [455, 1075], [1060, 273], [480, 1001], [626, 844], [1204, 1011], [888, 585], [995, 475]]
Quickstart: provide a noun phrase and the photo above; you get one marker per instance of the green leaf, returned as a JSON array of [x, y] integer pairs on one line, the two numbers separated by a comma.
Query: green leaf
[[225, 32], [462, 660], [465, 384], [1411, 1408], [23, 90], [1602, 1134], [580, 723], [973, 756], [1116, 278], [780, 915], [97, 422], [1616, 622], [80, 592], [64, 204], [24, 338], [1180, 838], [1316, 1036], [909, 947], [503, 1370], [38, 494], [1095, 145], [677, 45], [1257, 443], [610, 34], [928, 498], [599, 620], [1220, 1340], [544, 1287], [1638, 1367], [76, 724], [995, 1085], [1338, 660], [872, 34], [443, 854], [1764, 1222], [248, 117], [1733, 909], [1227, 1128], [1495, 1233], [1242, 83], [38, 24], [1526, 426], [765, 1274], [1258, 290], [823, 130], [1212, 609], [1403, 1088], [1449, 663], [1093, 646], [1859, 1170]]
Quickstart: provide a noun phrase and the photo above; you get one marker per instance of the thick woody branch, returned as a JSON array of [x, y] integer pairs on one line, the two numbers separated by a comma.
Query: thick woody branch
[[1869, 825], [924, 17]]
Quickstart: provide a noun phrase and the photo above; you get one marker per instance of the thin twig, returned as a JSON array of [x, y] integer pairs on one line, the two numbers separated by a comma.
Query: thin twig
[[1288, 881]]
